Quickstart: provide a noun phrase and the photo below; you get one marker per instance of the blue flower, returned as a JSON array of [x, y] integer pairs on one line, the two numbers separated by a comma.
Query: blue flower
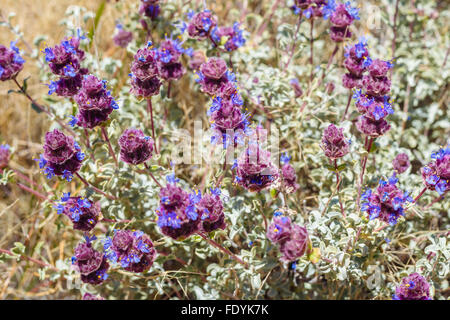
[[69, 71], [354, 12], [328, 9], [65, 197], [53, 86], [367, 62], [216, 104], [80, 156], [49, 172], [67, 175], [441, 187], [172, 179], [285, 158], [73, 122], [191, 212], [68, 47]]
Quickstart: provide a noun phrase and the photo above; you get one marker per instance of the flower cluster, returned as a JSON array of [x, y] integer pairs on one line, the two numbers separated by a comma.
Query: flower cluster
[[83, 214], [210, 209], [132, 249], [11, 62], [135, 147], [436, 174], [122, 37], [341, 17], [177, 214], [413, 287], [4, 155], [232, 37], [374, 103], [309, 8], [62, 155], [150, 8], [201, 24], [216, 80], [168, 56], [387, 202], [95, 103], [334, 143], [401, 163], [254, 170], [197, 59], [292, 238], [91, 264], [64, 61], [144, 73], [356, 63], [289, 177]]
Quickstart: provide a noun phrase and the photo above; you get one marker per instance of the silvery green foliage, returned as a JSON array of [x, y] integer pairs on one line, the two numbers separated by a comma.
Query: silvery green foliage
[[353, 258]]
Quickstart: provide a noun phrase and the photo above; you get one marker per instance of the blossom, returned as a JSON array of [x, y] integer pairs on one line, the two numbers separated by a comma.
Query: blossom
[[122, 37], [372, 128], [232, 36], [279, 230], [4, 155], [413, 287], [386, 202], [215, 79], [210, 209], [289, 178], [254, 170], [436, 174], [95, 102], [150, 8], [135, 147], [201, 25], [145, 88], [83, 214], [177, 215], [401, 163], [334, 143], [65, 59], [11, 62], [91, 264], [62, 155], [145, 64], [295, 246], [197, 59], [134, 250]]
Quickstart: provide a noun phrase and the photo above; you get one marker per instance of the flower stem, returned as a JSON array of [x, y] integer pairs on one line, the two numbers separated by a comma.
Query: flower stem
[[420, 194], [33, 192], [338, 180], [150, 111], [348, 105], [42, 109], [87, 184], [111, 151], [220, 247], [23, 257], [88, 144], [364, 162], [294, 42], [311, 58], [152, 176]]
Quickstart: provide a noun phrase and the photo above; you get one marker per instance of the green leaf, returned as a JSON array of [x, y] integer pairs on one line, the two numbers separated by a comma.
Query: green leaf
[[35, 107], [98, 15]]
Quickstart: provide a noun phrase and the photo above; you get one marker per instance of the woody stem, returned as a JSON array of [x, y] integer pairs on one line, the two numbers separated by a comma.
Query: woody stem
[[220, 247], [111, 151], [87, 184]]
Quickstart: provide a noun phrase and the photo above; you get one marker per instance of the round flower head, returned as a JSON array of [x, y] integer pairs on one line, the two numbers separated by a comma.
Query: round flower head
[[376, 86], [354, 66], [279, 230], [132, 249], [210, 209], [62, 155], [197, 59], [379, 68], [436, 175], [122, 37], [67, 87], [351, 81], [83, 214], [387, 202], [295, 246], [334, 143], [145, 88], [341, 17], [150, 8], [4, 155], [215, 79], [135, 147], [372, 128], [95, 102], [11, 63], [89, 296], [201, 25], [339, 34], [171, 71], [214, 68], [145, 64], [233, 35], [64, 59], [225, 115], [413, 287], [401, 163], [91, 264], [289, 180], [177, 215]]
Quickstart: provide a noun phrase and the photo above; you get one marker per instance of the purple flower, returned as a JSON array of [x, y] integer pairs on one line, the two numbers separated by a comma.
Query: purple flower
[[379, 68], [67, 87], [255, 171], [197, 59], [122, 37], [297, 88], [295, 246], [279, 230], [89, 296], [401, 163], [61, 154], [150, 8], [334, 143], [376, 86], [201, 25], [234, 36], [4, 155], [145, 88], [145, 64], [289, 178], [135, 147], [64, 59], [134, 250], [371, 127], [91, 264], [83, 214], [95, 102], [386, 203], [339, 34], [11, 63], [436, 175], [351, 81], [177, 215], [341, 17], [215, 79], [210, 209], [413, 287]]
